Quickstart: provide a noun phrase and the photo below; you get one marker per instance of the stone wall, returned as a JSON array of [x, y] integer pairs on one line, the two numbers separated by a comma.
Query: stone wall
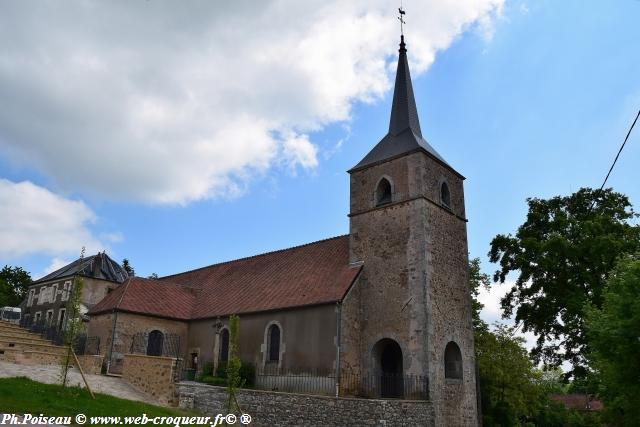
[[152, 375], [268, 408], [413, 285], [91, 364], [449, 303], [127, 325]]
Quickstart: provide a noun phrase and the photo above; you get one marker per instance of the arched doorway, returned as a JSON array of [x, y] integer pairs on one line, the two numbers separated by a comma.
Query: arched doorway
[[387, 356], [154, 343]]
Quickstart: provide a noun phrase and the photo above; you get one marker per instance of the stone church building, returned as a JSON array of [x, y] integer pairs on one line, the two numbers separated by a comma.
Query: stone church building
[[388, 299]]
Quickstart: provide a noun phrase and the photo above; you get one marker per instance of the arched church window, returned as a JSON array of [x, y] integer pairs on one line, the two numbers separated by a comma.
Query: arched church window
[[154, 343], [383, 192], [224, 345], [445, 195], [452, 361], [273, 344]]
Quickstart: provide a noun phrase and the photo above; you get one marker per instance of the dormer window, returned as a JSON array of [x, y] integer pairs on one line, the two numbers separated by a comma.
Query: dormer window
[[445, 195], [383, 192]]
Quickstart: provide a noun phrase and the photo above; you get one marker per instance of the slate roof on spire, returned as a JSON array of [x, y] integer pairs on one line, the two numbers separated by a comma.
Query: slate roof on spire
[[99, 266], [405, 135]]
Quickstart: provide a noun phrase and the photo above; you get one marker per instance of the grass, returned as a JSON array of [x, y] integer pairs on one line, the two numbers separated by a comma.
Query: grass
[[22, 395]]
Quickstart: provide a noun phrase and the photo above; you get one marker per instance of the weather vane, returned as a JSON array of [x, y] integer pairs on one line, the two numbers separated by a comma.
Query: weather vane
[[401, 18]]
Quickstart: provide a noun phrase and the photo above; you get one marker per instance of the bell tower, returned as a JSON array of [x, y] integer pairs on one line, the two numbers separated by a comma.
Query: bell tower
[[409, 313]]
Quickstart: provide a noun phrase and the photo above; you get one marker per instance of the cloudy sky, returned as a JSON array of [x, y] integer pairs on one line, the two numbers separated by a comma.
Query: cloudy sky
[[182, 135]]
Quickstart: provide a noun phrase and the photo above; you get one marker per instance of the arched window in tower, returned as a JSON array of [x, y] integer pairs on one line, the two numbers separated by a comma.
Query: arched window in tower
[[445, 195], [383, 192], [273, 344], [452, 361], [224, 345]]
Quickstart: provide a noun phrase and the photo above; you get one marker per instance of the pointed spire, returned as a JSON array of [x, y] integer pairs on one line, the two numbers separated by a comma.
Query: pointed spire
[[404, 136], [404, 113]]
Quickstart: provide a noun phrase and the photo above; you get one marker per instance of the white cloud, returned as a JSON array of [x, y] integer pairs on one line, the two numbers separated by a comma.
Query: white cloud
[[55, 264], [33, 220], [490, 298], [492, 312], [168, 103]]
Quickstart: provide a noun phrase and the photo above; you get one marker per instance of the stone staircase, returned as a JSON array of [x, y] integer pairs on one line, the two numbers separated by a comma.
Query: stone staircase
[[18, 345]]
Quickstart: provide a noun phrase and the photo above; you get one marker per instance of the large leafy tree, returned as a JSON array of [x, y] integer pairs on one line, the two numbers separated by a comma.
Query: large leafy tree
[[14, 282], [477, 281], [614, 336], [563, 254]]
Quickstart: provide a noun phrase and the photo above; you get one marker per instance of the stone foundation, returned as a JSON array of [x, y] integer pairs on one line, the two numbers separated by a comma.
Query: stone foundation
[[268, 408], [152, 375]]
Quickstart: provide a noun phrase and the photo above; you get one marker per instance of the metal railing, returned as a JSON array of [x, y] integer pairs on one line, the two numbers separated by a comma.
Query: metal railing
[[371, 386], [155, 344], [82, 344]]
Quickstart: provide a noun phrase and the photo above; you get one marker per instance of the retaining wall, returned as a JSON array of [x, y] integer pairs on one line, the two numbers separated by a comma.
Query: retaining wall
[[152, 375], [268, 408]]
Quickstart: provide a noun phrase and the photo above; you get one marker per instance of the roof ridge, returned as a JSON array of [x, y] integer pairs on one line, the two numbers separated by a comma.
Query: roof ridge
[[253, 256], [65, 267]]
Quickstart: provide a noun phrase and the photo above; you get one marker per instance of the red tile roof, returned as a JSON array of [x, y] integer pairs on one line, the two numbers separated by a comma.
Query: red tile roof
[[311, 274], [578, 401], [149, 296]]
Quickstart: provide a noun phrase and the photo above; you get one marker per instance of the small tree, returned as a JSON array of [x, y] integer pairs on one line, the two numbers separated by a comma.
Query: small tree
[[126, 266], [234, 364], [74, 325]]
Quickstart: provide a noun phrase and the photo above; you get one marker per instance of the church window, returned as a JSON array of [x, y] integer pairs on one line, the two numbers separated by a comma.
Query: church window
[[383, 192], [452, 361], [154, 344], [224, 345], [445, 195], [273, 344]]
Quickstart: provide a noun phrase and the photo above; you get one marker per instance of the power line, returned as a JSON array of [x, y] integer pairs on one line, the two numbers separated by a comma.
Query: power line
[[620, 151]]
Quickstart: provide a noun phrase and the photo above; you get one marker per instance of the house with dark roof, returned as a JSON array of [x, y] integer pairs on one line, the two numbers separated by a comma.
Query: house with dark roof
[[48, 297], [388, 304]]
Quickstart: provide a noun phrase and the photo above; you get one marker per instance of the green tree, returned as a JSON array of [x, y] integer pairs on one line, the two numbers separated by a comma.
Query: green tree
[[563, 252], [477, 281], [14, 282], [508, 380], [234, 379], [153, 276], [74, 325], [614, 336], [128, 268]]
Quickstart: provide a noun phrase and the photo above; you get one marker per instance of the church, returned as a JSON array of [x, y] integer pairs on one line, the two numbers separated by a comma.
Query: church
[[388, 300]]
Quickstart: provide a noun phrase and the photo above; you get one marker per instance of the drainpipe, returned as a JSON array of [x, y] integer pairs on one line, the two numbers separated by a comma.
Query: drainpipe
[[338, 317]]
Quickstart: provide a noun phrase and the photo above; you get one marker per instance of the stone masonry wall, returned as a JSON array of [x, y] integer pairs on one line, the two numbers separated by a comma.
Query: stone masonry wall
[[449, 301], [91, 364], [152, 375], [413, 286], [268, 408], [128, 325]]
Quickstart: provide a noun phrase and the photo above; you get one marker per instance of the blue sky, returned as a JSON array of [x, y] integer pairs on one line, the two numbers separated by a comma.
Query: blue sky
[[526, 99]]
